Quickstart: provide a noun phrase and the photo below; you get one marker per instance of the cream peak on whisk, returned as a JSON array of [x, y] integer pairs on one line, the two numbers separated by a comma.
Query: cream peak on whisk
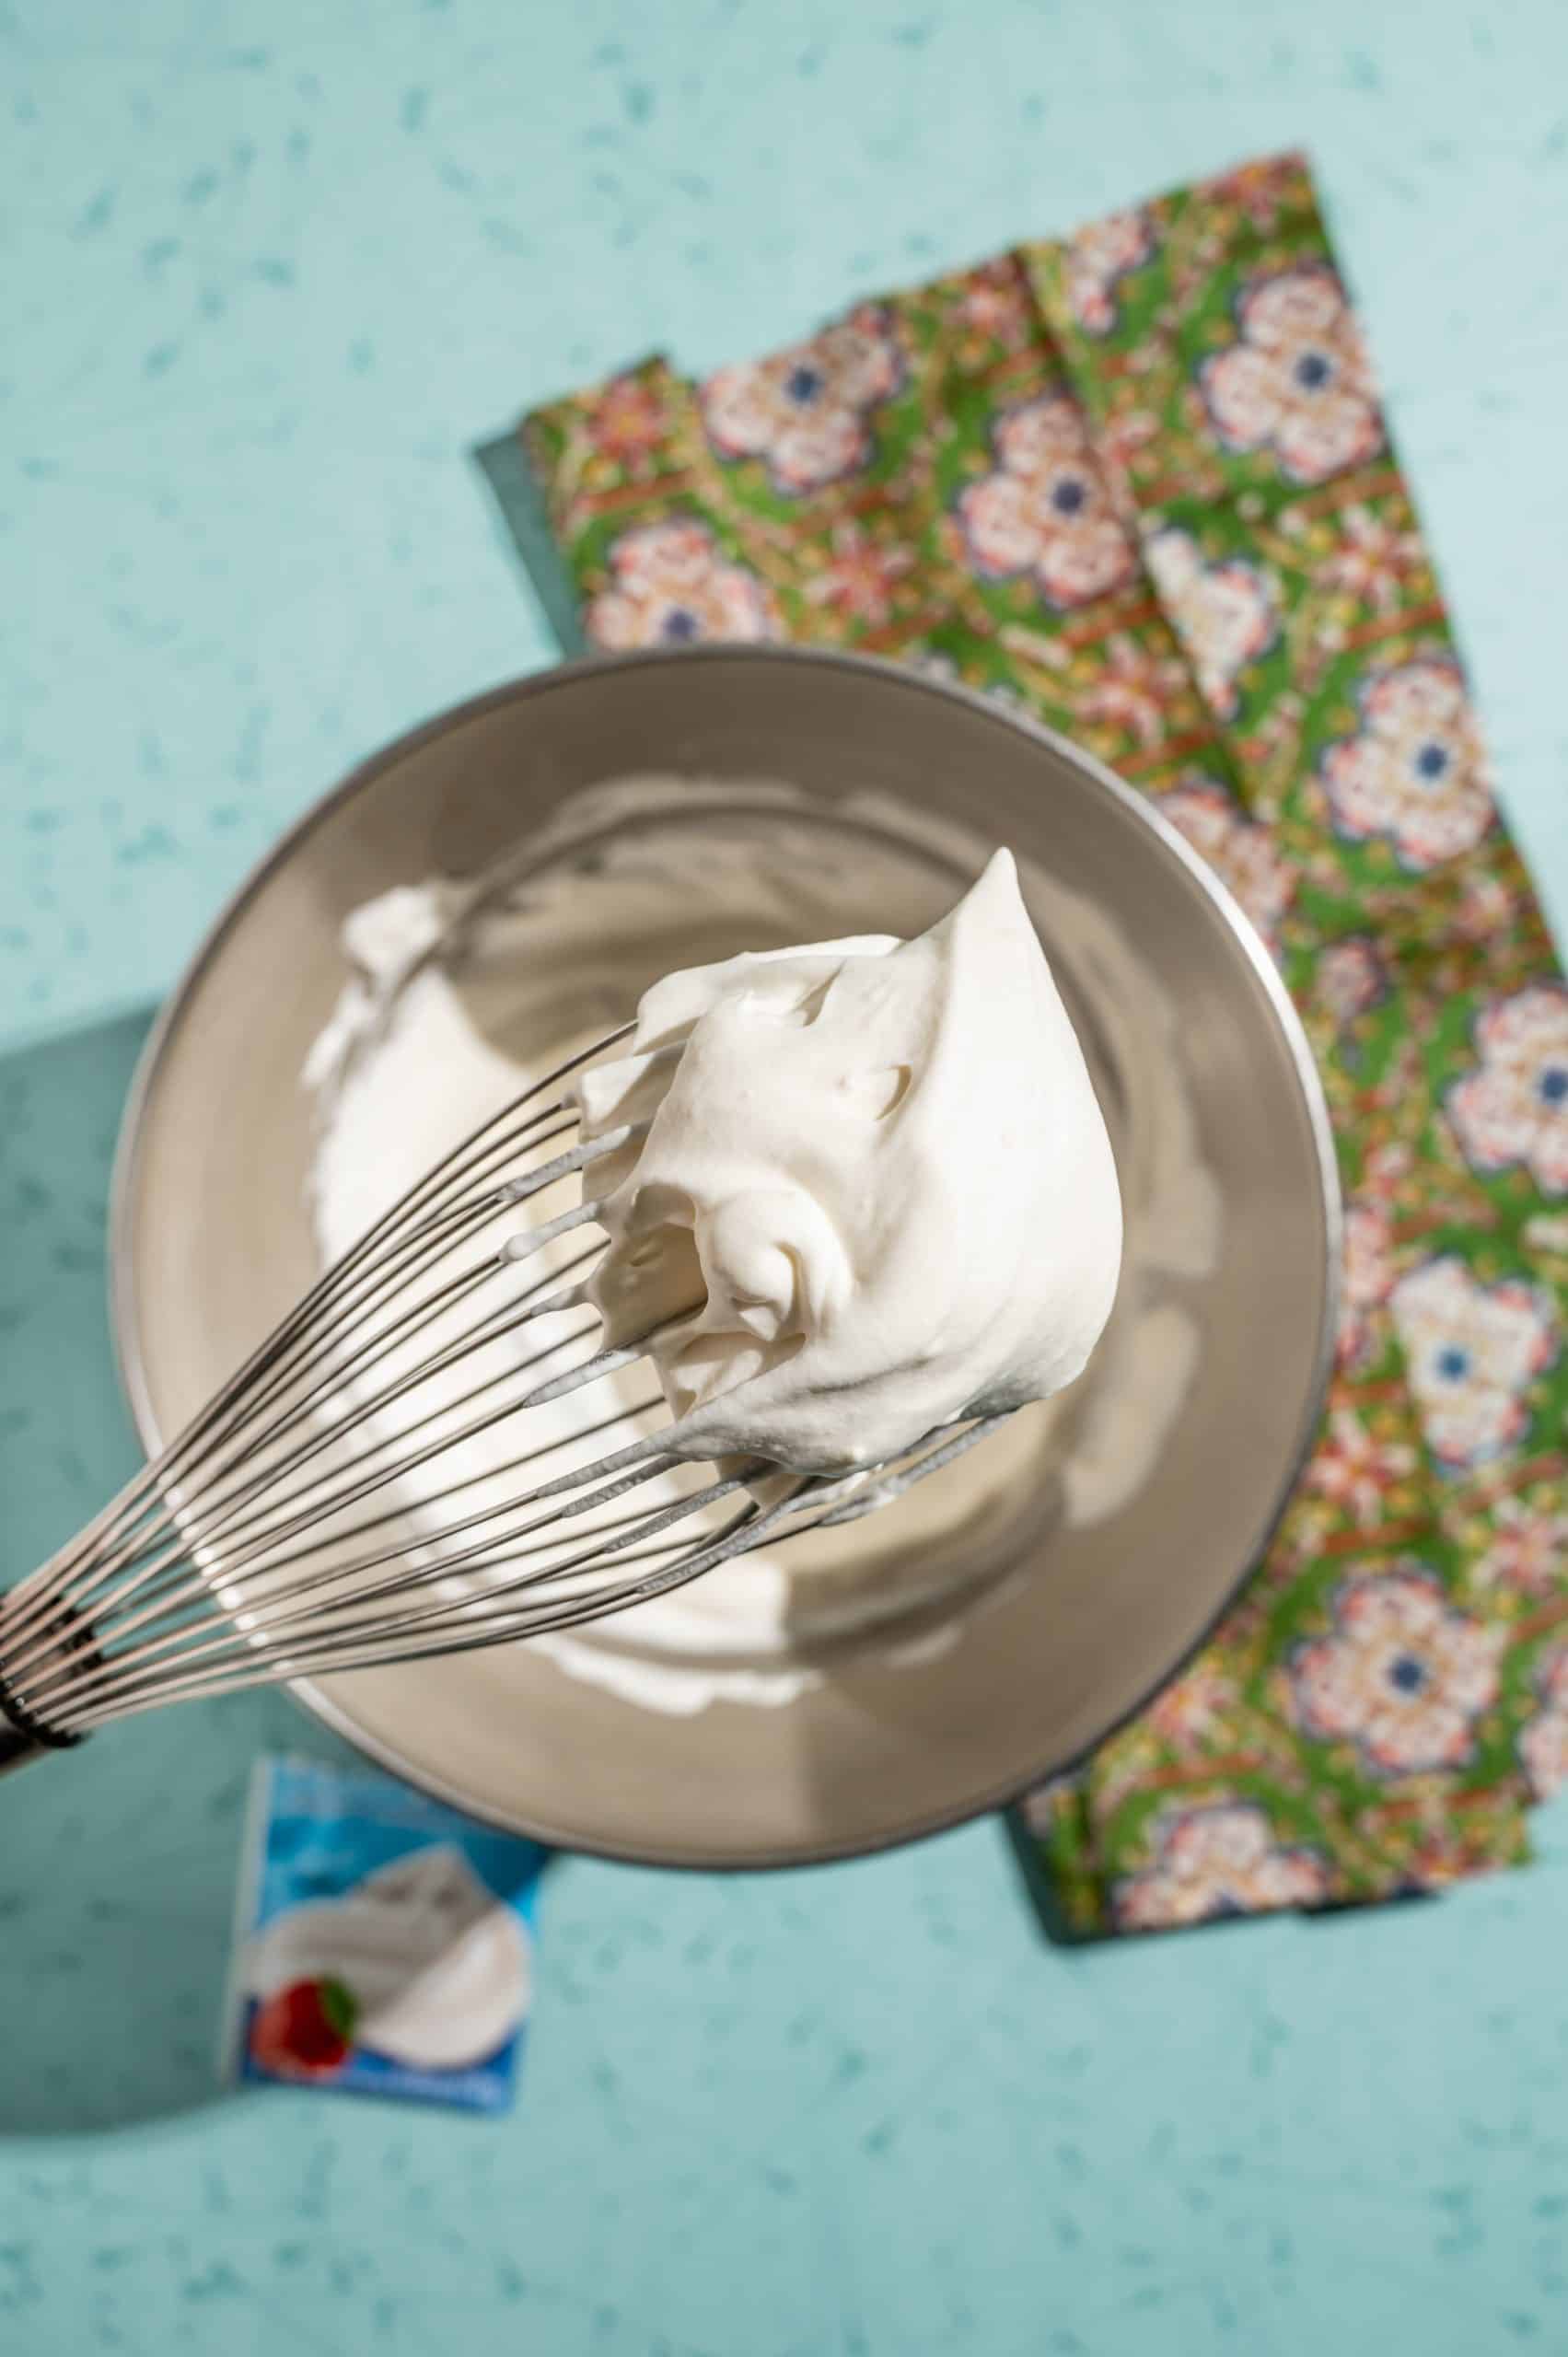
[[868, 1189]]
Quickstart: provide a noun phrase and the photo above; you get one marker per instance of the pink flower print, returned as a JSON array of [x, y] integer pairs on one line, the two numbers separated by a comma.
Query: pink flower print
[[1385, 1173], [1529, 1549], [808, 411], [1096, 259], [1486, 905], [1415, 771], [1511, 1111], [1373, 559], [859, 576], [1189, 1708], [1472, 1351], [1350, 977], [1224, 611], [1215, 1860], [626, 423], [995, 307], [1045, 510], [673, 587], [1355, 1470], [1404, 1676], [1120, 441], [1132, 691], [1297, 380]]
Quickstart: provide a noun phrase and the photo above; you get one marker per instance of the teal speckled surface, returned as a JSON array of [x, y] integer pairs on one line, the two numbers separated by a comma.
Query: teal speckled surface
[[270, 272]]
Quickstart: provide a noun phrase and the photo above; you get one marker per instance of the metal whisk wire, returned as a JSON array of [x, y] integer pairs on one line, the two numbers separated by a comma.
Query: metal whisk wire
[[240, 1556]]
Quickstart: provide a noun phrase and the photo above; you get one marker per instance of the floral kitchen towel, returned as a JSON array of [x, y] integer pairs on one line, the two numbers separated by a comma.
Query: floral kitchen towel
[[1138, 482]]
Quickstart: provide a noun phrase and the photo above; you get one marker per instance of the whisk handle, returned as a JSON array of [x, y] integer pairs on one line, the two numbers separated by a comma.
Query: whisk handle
[[18, 1747], [24, 1736]]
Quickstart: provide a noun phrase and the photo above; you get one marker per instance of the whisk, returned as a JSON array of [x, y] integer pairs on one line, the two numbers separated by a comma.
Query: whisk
[[271, 1539]]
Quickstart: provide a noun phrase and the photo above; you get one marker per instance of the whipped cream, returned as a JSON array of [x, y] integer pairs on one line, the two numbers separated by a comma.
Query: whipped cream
[[461, 992], [438, 1966], [874, 1194]]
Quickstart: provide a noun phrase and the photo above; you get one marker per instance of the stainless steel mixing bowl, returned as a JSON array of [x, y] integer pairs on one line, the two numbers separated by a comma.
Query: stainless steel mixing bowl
[[210, 1242]]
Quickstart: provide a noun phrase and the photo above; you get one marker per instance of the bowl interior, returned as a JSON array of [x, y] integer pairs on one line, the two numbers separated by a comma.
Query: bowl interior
[[212, 1243]]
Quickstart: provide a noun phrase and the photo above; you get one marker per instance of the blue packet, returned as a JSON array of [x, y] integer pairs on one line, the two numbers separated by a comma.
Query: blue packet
[[383, 1944]]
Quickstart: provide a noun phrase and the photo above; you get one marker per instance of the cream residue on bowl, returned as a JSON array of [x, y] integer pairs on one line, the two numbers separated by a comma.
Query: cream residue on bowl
[[461, 994]]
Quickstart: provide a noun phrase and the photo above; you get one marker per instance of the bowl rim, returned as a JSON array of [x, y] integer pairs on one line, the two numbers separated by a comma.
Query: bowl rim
[[126, 1336]]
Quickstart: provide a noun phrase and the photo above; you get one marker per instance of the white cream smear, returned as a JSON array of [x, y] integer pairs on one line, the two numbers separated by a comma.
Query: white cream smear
[[438, 1966], [862, 1165]]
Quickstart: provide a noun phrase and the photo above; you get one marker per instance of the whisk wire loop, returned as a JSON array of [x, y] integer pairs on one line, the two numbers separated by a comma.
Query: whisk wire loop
[[273, 1538]]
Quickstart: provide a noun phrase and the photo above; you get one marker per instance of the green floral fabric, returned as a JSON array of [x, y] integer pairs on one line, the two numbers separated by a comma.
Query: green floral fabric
[[1139, 482]]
